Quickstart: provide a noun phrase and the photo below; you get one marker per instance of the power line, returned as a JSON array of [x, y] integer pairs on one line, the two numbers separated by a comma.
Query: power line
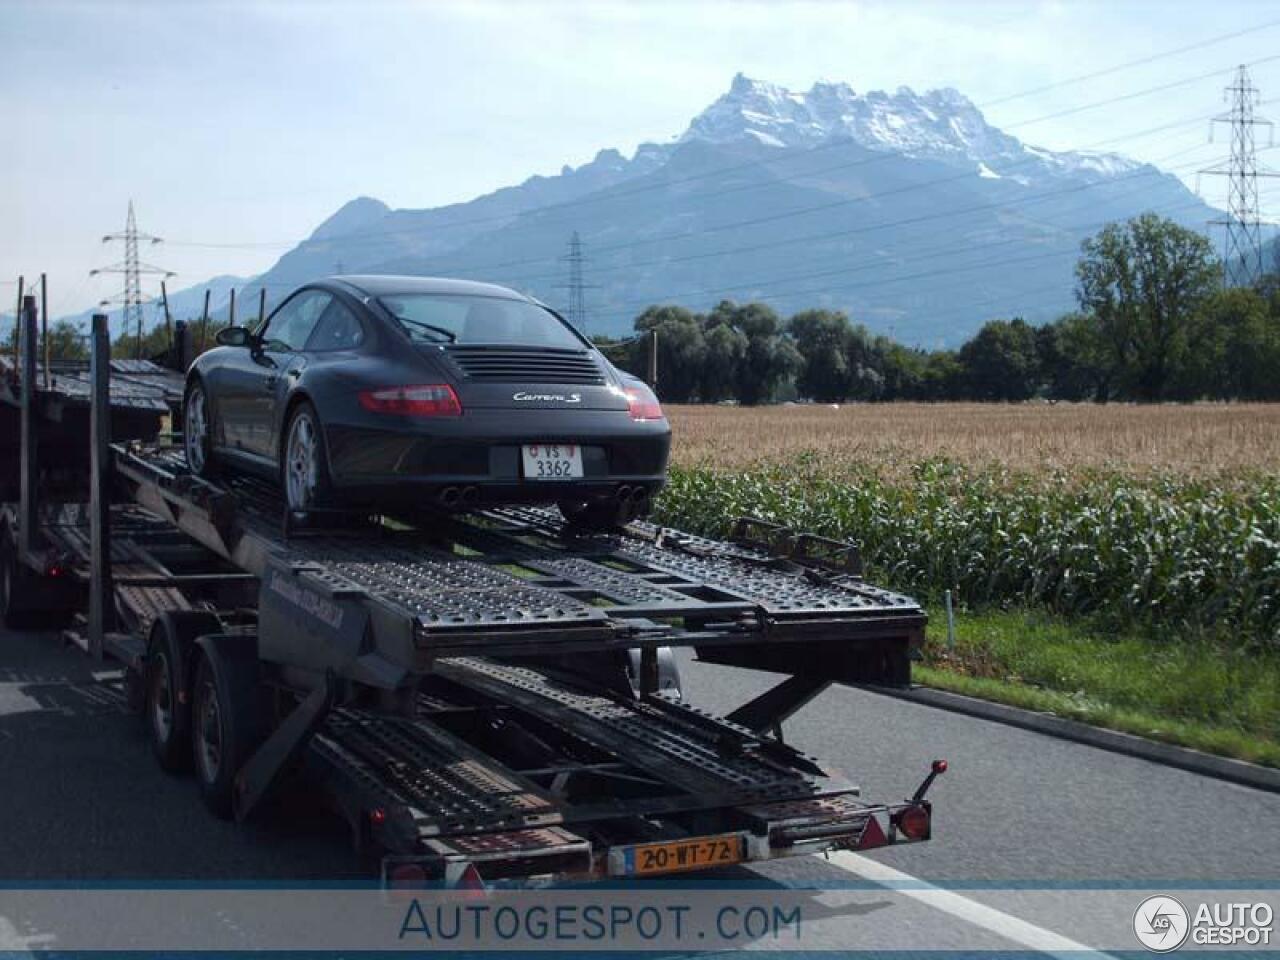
[[918, 255], [641, 188], [667, 238], [627, 308], [831, 235], [1141, 61]]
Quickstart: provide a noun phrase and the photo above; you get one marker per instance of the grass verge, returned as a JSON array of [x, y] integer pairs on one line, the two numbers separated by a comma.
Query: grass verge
[[1197, 695]]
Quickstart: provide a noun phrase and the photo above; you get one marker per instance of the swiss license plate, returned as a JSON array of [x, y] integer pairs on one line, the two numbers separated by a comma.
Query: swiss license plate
[[552, 461], [678, 855]]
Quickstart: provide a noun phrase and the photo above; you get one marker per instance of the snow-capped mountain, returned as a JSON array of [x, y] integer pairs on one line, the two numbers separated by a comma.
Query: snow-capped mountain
[[942, 125], [909, 211]]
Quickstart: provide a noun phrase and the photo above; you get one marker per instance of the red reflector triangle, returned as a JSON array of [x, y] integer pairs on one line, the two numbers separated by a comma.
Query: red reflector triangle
[[872, 835]]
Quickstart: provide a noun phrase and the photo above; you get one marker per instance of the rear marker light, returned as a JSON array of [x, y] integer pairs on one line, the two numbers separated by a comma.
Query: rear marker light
[[642, 404], [424, 400], [913, 823]]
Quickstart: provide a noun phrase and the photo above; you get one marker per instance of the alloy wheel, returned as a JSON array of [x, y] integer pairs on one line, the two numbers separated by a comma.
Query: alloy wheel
[[196, 432], [301, 463]]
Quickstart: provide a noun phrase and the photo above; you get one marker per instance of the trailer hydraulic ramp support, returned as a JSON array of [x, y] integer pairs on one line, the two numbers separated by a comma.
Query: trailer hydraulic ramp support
[[262, 770], [767, 711]]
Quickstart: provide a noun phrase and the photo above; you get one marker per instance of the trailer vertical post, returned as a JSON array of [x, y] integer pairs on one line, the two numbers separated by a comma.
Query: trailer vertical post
[[17, 324], [204, 323], [168, 321], [101, 609], [44, 325], [28, 531]]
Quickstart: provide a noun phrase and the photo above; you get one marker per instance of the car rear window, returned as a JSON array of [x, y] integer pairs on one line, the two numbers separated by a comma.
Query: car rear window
[[446, 318]]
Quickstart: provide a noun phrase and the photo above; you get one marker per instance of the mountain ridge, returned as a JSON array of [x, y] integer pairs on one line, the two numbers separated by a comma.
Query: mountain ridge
[[904, 209]]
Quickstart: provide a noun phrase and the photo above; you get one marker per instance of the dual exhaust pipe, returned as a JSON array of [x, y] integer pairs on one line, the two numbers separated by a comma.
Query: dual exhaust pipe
[[633, 500], [459, 498]]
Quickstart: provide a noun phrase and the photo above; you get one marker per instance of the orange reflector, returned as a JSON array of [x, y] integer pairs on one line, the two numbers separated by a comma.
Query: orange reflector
[[914, 823]]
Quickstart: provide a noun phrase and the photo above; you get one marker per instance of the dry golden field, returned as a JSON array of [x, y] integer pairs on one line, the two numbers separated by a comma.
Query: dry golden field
[[1206, 439]]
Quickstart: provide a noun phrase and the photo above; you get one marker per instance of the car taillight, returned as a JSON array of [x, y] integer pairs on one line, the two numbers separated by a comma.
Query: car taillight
[[642, 404], [424, 400]]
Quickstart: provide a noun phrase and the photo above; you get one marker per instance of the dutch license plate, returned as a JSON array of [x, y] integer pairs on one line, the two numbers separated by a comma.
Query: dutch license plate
[[552, 461], [679, 855]]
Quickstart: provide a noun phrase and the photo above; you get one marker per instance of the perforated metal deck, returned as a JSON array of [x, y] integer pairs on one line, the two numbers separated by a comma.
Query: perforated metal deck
[[486, 582]]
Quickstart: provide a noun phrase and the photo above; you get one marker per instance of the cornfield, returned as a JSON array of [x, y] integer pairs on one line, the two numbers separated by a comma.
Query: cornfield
[[1181, 553], [1210, 439]]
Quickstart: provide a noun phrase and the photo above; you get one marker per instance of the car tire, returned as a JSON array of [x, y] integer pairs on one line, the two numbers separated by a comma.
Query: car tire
[[197, 430], [600, 515], [304, 461]]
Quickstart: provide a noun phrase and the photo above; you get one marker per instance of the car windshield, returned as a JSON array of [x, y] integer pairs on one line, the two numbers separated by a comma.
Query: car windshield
[[451, 318]]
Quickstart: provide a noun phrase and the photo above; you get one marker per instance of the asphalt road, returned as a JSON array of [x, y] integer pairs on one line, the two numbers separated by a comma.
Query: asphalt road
[[81, 798]]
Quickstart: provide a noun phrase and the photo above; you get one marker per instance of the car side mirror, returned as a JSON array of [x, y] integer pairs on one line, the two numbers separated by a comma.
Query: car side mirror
[[234, 337]]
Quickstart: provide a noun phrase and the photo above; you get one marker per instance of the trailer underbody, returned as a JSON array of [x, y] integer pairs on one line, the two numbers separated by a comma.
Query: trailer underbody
[[489, 697]]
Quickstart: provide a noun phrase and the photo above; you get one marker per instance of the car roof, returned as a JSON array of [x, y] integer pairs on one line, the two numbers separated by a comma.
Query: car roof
[[380, 285]]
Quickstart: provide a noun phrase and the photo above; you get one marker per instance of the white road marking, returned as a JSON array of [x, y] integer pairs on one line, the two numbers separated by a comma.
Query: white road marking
[[971, 911]]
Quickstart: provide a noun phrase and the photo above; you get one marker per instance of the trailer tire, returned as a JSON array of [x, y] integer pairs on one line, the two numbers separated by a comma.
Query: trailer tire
[[227, 718], [16, 609], [166, 690]]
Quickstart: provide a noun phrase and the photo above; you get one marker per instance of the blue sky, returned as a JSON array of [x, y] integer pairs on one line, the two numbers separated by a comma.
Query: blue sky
[[237, 127]]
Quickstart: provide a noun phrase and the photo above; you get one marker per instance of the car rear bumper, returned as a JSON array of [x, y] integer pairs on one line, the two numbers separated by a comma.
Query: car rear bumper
[[483, 452]]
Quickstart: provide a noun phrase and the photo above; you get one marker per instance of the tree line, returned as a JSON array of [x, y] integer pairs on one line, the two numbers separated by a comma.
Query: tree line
[[1154, 324]]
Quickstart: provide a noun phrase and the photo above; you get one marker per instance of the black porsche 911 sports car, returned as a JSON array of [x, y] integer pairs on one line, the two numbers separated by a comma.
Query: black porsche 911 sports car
[[385, 390]]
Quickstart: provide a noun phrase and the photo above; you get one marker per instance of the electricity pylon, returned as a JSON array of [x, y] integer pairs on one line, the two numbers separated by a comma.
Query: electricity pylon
[[1242, 249], [133, 268], [577, 311]]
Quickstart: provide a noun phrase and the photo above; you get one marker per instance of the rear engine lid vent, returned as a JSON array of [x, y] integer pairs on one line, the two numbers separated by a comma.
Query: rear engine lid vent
[[525, 365]]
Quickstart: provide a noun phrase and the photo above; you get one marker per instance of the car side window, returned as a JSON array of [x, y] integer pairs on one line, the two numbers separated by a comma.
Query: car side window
[[288, 329], [338, 329]]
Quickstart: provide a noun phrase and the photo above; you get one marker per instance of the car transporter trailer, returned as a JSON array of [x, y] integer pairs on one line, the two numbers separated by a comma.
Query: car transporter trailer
[[485, 698]]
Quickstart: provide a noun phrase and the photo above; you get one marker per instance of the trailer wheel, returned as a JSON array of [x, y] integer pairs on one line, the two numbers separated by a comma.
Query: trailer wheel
[[226, 723], [167, 704]]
